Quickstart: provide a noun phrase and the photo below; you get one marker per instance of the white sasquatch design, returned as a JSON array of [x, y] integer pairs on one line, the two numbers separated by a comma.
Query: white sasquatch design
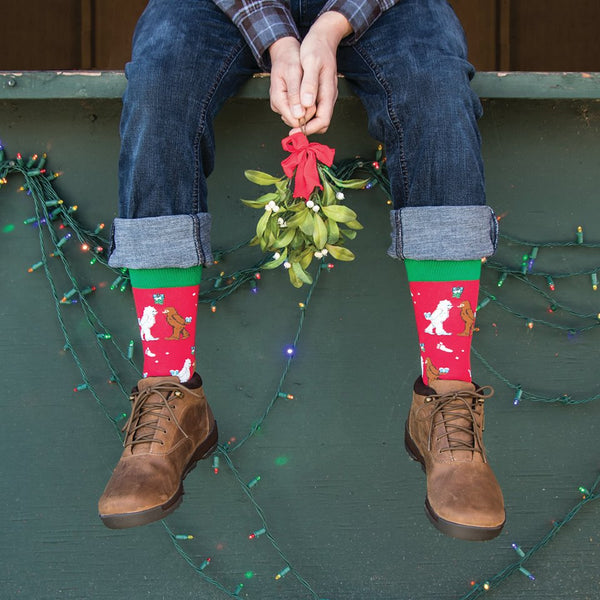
[[185, 372], [146, 322], [437, 318], [441, 346], [149, 353]]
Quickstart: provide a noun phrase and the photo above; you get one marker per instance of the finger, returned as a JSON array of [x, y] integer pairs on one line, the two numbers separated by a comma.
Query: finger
[[309, 88], [325, 104], [285, 94]]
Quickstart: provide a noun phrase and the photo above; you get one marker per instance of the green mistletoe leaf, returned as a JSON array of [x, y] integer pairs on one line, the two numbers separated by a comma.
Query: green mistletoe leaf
[[354, 184], [320, 232], [333, 231], [261, 178], [341, 214], [353, 225], [296, 282], [348, 233], [340, 253], [296, 219], [262, 201], [273, 264], [285, 239], [305, 259], [307, 224], [328, 193], [262, 223], [300, 273]]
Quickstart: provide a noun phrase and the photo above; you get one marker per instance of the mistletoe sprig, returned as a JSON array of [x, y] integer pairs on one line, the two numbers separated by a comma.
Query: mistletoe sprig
[[310, 221]]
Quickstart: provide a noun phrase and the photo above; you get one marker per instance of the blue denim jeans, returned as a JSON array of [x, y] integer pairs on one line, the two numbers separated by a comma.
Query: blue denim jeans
[[409, 70]]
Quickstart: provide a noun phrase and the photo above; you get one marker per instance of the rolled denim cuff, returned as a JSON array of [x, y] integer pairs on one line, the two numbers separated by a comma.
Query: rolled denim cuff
[[179, 241], [443, 232]]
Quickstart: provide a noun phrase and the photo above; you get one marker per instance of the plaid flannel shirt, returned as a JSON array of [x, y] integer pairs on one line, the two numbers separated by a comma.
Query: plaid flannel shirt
[[263, 22]]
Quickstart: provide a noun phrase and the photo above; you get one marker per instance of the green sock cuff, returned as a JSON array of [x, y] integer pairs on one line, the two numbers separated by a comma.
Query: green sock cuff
[[443, 270], [148, 279]]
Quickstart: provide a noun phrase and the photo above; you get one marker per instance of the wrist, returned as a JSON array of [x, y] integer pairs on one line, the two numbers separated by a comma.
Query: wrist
[[283, 45], [333, 26]]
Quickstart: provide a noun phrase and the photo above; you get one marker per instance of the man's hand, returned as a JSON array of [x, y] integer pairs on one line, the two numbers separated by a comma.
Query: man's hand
[[304, 76], [286, 78], [318, 90]]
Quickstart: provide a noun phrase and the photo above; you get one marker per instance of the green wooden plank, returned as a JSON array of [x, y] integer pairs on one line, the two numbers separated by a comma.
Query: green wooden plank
[[36, 85]]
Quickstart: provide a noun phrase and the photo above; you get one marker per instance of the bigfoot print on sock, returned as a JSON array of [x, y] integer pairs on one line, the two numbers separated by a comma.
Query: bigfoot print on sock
[[167, 328], [445, 324]]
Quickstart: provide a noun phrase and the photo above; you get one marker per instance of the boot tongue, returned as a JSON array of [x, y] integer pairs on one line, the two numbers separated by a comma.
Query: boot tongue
[[150, 381], [456, 414], [148, 418]]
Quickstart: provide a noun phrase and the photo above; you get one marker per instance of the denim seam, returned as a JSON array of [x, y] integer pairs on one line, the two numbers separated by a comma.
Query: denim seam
[[196, 223], [362, 50], [202, 121]]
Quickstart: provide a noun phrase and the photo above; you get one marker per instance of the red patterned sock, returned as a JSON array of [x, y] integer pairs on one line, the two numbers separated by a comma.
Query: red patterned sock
[[444, 295], [166, 302]]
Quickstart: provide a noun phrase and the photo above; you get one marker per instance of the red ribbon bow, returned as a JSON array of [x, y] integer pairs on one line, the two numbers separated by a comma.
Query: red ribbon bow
[[303, 160]]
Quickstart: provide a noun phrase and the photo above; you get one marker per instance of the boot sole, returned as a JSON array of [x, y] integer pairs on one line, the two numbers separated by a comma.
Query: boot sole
[[135, 519], [455, 530]]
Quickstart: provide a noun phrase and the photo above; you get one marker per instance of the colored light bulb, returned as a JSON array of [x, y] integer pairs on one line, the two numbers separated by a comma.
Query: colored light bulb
[[215, 464], [183, 536], [286, 396], [205, 563], [550, 283], [254, 481], [527, 573], [594, 281], [35, 266], [81, 387], [502, 279], [282, 573], [531, 259], [580, 235], [257, 533], [517, 398], [485, 302]]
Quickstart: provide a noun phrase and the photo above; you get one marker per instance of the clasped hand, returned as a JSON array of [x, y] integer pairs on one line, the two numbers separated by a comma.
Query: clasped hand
[[304, 75]]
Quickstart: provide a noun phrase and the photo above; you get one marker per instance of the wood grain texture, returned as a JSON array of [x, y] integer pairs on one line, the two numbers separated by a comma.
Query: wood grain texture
[[347, 507]]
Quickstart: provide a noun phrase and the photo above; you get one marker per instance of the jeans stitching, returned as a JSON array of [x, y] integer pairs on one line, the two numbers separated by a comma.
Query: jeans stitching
[[196, 228], [229, 60], [362, 50]]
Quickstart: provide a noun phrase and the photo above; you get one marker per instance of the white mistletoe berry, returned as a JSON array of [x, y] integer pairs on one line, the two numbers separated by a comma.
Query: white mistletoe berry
[[276, 256], [281, 222], [287, 264], [339, 195], [325, 251], [318, 254], [316, 208], [309, 204]]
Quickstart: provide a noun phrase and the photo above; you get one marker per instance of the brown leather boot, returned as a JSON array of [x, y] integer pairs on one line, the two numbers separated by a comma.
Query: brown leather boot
[[170, 428], [444, 433]]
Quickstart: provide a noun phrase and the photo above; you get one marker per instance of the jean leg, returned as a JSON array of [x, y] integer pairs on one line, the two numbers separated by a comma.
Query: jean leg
[[411, 72], [187, 60]]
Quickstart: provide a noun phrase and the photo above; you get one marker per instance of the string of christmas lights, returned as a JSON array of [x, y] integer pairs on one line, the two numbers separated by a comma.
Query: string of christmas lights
[[45, 198], [492, 583], [50, 210]]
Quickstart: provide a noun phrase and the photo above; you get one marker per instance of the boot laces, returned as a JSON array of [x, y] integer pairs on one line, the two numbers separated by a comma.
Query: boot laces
[[462, 418], [148, 409]]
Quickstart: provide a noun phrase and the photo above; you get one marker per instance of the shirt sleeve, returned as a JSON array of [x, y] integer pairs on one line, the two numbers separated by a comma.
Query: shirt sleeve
[[261, 22], [361, 13]]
